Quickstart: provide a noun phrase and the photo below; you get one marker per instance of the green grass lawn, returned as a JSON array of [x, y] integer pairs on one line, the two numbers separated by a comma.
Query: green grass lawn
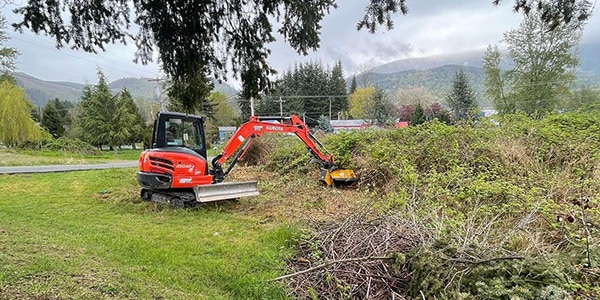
[[12, 157], [86, 235]]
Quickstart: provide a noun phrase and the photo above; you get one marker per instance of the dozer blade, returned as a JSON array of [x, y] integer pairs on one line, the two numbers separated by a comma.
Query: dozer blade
[[339, 177], [225, 190]]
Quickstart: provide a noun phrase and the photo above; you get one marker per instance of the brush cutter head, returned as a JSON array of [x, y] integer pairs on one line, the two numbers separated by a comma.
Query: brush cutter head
[[338, 177]]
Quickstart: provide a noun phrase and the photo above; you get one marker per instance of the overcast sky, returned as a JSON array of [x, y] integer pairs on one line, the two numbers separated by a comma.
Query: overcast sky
[[430, 28]]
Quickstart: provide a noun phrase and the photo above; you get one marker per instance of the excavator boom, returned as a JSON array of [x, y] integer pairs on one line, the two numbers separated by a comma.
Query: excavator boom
[[241, 140]]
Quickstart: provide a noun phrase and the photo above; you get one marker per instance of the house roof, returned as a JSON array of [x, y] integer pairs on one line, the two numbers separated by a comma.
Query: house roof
[[347, 123]]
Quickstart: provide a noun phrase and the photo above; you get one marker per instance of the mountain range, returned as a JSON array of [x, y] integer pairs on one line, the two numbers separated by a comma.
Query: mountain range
[[41, 91], [435, 73]]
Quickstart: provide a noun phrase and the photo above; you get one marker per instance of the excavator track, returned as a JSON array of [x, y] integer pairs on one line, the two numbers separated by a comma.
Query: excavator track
[[173, 199]]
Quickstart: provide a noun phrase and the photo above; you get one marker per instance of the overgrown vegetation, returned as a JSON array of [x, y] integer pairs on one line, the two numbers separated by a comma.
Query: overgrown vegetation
[[510, 204]]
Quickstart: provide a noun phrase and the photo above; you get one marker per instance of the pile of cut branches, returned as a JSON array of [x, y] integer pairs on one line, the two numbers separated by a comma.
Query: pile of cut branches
[[356, 259]]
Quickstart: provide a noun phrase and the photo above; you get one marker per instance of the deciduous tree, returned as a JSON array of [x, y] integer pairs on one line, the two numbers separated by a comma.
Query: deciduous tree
[[16, 124], [359, 101], [378, 109], [413, 95], [8, 55], [495, 81], [544, 64]]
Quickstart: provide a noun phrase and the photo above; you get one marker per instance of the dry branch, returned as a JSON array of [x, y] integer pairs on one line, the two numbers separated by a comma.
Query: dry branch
[[355, 259]]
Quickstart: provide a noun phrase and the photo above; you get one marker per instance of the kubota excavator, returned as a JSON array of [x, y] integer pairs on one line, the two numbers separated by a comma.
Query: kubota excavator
[[175, 171]]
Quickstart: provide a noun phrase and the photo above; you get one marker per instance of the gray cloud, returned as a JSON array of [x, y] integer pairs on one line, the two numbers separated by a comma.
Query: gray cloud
[[430, 28]]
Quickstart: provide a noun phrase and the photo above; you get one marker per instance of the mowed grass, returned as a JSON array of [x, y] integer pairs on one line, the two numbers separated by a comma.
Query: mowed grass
[[86, 235], [11, 157]]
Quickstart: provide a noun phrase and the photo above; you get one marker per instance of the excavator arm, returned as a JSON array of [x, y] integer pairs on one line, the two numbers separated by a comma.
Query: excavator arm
[[241, 140]]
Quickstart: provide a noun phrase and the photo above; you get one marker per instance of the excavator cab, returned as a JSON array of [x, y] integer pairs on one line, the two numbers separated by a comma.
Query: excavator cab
[[177, 130]]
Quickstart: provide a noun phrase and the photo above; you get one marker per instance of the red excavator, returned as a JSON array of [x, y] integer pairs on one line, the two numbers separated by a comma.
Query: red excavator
[[175, 171]]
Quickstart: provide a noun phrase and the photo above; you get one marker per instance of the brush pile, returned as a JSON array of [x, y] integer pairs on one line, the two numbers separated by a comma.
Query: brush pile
[[356, 259]]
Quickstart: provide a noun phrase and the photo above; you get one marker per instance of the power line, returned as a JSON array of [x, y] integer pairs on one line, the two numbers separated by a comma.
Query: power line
[[98, 55], [126, 71]]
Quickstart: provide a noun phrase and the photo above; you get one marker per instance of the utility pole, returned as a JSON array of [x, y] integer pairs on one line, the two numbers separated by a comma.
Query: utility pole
[[158, 93], [280, 107], [329, 108]]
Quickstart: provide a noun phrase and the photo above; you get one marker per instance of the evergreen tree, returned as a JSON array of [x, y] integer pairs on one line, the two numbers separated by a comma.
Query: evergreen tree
[[64, 108], [353, 85], [120, 130], [324, 124], [134, 121], [191, 95], [308, 89], [52, 120], [337, 87], [418, 116], [461, 99], [36, 113], [97, 108], [313, 81]]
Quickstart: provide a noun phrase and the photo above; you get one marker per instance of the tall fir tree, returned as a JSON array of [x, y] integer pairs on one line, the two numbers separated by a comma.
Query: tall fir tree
[[134, 121], [309, 89], [418, 116], [52, 119], [97, 108], [461, 99], [337, 87], [353, 85]]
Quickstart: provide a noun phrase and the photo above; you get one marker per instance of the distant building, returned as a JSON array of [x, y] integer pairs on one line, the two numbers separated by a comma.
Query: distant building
[[486, 112], [225, 132], [401, 124], [340, 125]]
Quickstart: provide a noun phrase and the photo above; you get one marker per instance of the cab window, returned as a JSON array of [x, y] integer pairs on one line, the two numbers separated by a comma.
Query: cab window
[[182, 133]]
